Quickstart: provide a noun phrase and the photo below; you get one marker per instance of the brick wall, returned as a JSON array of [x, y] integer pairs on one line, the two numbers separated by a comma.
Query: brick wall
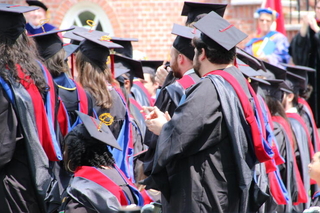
[[151, 20]]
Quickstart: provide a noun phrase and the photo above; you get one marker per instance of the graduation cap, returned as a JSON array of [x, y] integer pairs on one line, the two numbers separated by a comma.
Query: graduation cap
[[96, 47], [300, 70], [124, 64], [182, 42], [70, 48], [127, 46], [295, 82], [38, 4], [274, 72], [98, 130], [75, 39], [246, 69], [215, 29], [274, 89], [154, 64], [150, 66], [249, 59], [13, 21], [193, 9], [49, 43]]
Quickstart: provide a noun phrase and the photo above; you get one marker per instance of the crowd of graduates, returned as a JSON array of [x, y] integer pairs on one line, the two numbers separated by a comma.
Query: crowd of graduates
[[87, 128]]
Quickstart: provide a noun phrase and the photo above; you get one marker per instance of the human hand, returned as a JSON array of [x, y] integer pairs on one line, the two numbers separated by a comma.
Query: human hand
[[161, 74], [263, 57], [313, 24], [155, 119]]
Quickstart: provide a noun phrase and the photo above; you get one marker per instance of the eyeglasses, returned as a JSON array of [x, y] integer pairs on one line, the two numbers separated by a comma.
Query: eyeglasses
[[265, 20]]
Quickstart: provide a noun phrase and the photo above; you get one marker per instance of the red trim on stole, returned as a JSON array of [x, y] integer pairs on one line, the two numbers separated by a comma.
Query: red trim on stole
[[261, 155], [313, 123], [301, 121], [62, 118], [39, 113], [304, 126], [186, 81], [83, 99], [275, 189], [136, 104], [96, 176], [145, 91], [302, 194]]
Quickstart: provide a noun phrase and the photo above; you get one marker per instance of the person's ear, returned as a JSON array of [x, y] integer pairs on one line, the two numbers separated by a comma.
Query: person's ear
[[290, 97], [180, 58], [202, 55]]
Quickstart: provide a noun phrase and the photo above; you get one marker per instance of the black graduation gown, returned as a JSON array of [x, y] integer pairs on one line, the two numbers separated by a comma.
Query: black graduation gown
[[167, 100], [305, 51], [195, 167], [140, 96], [138, 133], [86, 196], [24, 166], [316, 201], [302, 157], [117, 111], [286, 169]]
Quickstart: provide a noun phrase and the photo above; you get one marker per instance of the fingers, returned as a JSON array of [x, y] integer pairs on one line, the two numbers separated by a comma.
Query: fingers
[[161, 75], [168, 117]]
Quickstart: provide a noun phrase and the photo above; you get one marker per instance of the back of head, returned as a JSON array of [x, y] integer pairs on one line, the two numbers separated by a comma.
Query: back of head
[[94, 79], [16, 47], [83, 150], [218, 40]]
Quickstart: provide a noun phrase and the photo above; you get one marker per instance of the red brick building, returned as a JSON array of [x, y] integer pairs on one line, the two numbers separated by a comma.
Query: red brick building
[[148, 20]]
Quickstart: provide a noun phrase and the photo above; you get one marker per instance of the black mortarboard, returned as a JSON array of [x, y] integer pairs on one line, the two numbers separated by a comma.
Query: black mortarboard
[[250, 73], [70, 48], [75, 39], [37, 3], [246, 69], [98, 130], [182, 43], [49, 43], [299, 70], [295, 82], [249, 59], [275, 72], [215, 29], [13, 21], [124, 64], [119, 70], [154, 64], [273, 89], [151, 66], [193, 9], [127, 46], [96, 47], [285, 88]]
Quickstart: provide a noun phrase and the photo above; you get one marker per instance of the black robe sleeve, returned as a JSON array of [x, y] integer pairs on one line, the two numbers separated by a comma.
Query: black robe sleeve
[[8, 126], [299, 49]]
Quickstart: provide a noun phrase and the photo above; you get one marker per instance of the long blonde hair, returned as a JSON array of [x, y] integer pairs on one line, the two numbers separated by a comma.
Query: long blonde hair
[[94, 80]]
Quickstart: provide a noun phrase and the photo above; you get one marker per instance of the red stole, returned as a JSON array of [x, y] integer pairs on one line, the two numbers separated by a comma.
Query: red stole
[[256, 133], [302, 195], [39, 113]]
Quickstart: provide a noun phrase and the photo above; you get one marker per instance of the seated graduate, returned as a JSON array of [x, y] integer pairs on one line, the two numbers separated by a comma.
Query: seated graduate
[[98, 185]]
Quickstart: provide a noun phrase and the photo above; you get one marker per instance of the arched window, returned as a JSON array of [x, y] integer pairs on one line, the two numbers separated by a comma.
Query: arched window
[[83, 11]]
